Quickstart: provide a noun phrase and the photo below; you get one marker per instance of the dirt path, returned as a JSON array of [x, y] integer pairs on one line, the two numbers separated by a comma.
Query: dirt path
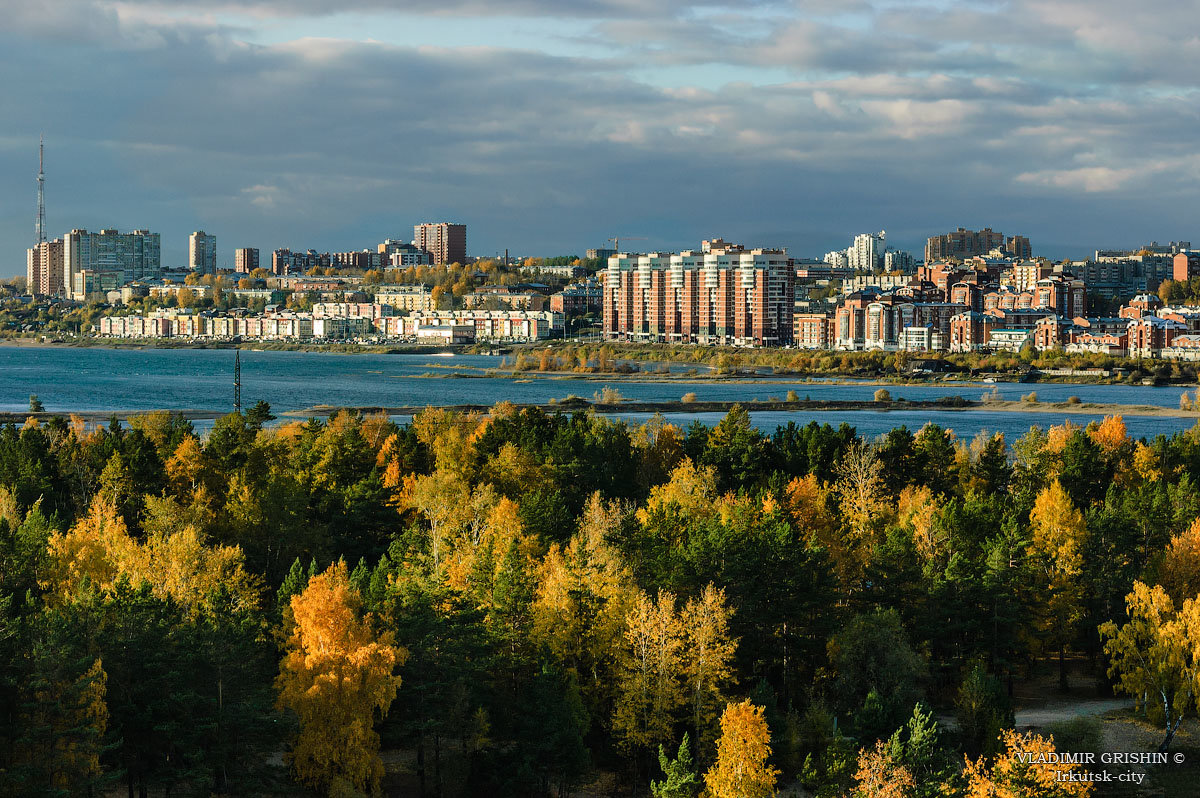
[[1055, 713]]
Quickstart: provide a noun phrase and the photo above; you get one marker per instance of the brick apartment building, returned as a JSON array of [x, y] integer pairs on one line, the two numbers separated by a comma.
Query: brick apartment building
[[724, 294]]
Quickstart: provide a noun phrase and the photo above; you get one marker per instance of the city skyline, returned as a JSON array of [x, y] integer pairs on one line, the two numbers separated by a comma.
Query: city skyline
[[548, 128]]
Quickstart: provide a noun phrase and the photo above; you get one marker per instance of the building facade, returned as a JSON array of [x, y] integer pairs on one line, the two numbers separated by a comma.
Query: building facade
[[445, 241], [44, 269], [726, 295], [245, 260], [202, 252], [963, 243], [136, 255]]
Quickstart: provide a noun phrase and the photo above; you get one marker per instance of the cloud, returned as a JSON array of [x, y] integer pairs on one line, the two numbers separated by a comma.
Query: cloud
[[837, 119]]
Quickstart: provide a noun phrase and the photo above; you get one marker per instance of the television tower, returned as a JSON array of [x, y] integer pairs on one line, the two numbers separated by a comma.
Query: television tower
[[41, 215]]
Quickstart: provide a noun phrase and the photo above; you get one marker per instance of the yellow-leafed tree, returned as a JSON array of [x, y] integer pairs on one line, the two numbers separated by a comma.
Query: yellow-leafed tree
[[742, 769], [1021, 771], [879, 775], [337, 676], [1056, 547], [708, 657], [651, 689], [1154, 655]]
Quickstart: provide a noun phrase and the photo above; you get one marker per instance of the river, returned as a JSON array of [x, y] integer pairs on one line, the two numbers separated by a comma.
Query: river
[[101, 380]]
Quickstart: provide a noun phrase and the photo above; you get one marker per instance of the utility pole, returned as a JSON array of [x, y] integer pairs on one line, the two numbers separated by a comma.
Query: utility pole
[[237, 381], [41, 181]]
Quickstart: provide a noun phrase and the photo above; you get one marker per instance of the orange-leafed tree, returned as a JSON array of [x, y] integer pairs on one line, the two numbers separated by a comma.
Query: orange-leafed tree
[[742, 769], [880, 775], [1021, 771], [1179, 569], [337, 676]]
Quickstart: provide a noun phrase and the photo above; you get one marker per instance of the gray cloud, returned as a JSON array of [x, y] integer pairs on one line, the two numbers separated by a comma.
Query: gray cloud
[[1019, 115]]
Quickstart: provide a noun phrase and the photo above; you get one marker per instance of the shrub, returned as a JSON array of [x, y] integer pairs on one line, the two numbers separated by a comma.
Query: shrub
[[609, 396], [1030, 397], [1186, 401], [883, 395], [1073, 400], [1077, 734], [688, 397], [792, 396]]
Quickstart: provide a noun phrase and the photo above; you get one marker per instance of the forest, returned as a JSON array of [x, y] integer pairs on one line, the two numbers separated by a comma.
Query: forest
[[525, 604]]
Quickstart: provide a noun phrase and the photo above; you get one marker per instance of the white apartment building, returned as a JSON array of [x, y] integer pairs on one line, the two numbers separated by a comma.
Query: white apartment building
[[202, 252], [867, 250]]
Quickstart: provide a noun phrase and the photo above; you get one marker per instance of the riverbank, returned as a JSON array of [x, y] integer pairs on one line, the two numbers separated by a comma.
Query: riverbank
[[245, 346], [573, 404], [712, 364]]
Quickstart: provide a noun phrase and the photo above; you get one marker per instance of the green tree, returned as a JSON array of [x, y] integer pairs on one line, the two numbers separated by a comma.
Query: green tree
[[682, 780]]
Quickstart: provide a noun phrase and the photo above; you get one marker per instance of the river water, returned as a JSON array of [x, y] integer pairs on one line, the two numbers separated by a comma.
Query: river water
[[93, 379]]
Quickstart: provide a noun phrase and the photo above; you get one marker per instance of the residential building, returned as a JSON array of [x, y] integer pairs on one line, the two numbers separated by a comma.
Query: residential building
[[726, 295], [866, 253], [402, 254], [962, 244], [445, 241], [135, 255], [406, 298], [578, 299], [44, 269], [1150, 334], [1018, 247], [1186, 265], [600, 254], [202, 252], [88, 282], [895, 260], [488, 325], [364, 260], [812, 331], [285, 262], [245, 260]]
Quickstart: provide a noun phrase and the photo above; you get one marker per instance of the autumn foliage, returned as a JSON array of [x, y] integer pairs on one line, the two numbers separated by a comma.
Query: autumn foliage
[[338, 677]]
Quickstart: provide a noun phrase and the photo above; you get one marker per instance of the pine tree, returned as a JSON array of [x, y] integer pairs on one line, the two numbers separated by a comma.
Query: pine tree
[[681, 780]]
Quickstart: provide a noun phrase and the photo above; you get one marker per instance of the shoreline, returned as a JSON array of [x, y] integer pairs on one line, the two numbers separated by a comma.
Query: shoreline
[[496, 372], [948, 403]]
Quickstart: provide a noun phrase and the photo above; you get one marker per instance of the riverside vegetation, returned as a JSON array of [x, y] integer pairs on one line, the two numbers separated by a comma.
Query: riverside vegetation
[[626, 358], [516, 603]]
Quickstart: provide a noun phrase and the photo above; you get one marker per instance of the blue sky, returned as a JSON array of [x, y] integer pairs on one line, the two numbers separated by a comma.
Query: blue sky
[[548, 127]]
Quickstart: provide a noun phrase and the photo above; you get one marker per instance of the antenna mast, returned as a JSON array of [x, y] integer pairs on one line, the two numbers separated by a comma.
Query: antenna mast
[[237, 381], [41, 180]]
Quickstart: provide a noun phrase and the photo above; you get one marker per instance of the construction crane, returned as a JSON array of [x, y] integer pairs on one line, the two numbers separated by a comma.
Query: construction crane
[[617, 241]]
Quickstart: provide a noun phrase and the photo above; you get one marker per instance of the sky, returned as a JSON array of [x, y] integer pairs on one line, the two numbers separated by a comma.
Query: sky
[[550, 126]]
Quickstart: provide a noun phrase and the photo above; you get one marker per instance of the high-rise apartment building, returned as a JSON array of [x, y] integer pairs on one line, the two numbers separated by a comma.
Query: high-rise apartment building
[[964, 244], [44, 269], [1019, 247], [245, 260], [724, 295], [135, 255], [284, 261], [867, 251], [202, 252], [446, 242]]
